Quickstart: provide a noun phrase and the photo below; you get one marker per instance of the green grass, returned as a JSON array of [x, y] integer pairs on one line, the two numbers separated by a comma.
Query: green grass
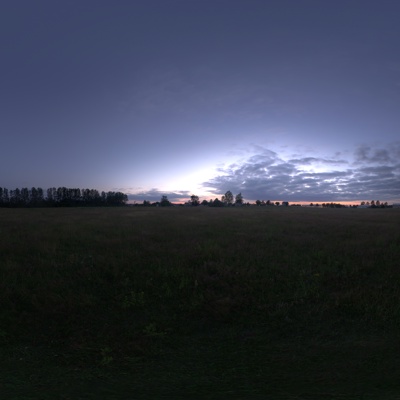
[[240, 303]]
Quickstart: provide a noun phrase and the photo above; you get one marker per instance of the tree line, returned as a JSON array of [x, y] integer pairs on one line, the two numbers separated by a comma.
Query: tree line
[[228, 199], [59, 197]]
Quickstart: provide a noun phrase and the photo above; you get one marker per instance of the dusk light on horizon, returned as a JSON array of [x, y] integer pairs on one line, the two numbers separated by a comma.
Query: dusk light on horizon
[[284, 100]]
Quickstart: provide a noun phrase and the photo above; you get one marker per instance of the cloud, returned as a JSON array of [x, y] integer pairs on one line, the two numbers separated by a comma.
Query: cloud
[[155, 194], [389, 155], [374, 174], [223, 96], [314, 160]]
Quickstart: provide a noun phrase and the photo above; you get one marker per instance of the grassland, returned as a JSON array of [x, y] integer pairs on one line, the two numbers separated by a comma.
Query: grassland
[[239, 303]]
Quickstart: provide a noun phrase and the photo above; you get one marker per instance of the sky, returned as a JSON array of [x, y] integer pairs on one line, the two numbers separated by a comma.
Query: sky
[[287, 100]]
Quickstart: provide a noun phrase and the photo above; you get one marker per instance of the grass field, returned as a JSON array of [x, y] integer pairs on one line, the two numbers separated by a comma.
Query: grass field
[[238, 303]]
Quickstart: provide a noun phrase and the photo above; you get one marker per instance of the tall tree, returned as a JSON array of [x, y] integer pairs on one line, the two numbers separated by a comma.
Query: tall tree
[[227, 198], [25, 196], [239, 199]]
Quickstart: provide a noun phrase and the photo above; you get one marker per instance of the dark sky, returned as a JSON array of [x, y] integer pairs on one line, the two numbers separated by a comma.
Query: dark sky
[[282, 100]]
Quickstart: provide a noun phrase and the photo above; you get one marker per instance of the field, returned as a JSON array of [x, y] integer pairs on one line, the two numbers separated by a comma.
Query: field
[[238, 303]]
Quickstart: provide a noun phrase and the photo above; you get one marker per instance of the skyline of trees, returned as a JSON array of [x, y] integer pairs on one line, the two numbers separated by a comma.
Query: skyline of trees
[[69, 197], [60, 197]]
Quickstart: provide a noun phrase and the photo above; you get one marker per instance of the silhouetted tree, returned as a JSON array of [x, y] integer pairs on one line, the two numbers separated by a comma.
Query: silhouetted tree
[[217, 203], [239, 199], [15, 198], [24, 196], [164, 201], [227, 199], [194, 200]]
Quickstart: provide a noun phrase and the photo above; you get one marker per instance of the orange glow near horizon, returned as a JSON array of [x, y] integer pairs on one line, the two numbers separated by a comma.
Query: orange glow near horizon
[[302, 203]]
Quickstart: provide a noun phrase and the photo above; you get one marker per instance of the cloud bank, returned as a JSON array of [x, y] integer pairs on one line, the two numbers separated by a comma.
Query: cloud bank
[[373, 173]]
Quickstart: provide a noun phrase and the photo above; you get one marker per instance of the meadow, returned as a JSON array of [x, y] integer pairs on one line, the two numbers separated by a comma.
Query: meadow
[[197, 302]]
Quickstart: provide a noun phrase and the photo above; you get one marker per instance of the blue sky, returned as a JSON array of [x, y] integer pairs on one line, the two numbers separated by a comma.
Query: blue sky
[[281, 100]]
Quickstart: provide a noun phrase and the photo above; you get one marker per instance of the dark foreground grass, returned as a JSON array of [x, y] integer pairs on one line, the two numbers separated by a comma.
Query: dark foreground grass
[[236, 303]]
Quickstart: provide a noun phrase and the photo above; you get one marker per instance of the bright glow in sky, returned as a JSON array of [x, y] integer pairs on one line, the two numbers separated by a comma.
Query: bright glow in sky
[[284, 100]]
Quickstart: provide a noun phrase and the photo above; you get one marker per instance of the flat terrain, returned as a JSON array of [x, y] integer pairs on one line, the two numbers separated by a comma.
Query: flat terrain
[[238, 303]]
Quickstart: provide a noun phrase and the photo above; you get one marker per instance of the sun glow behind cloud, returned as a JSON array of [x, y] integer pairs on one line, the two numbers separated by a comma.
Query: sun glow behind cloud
[[192, 180]]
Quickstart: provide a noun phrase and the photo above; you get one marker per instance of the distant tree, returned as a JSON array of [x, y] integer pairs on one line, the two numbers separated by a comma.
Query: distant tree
[[24, 196], [217, 203], [239, 199], [204, 203], [113, 199], [362, 203], [277, 203], [15, 198], [164, 201], [49, 198], [268, 203], [35, 196], [311, 205], [194, 200], [258, 202], [6, 198], [227, 199], [40, 196], [146, 203]]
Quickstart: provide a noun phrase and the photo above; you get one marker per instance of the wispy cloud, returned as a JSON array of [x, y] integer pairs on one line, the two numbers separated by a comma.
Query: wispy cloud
[[221, 95]]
